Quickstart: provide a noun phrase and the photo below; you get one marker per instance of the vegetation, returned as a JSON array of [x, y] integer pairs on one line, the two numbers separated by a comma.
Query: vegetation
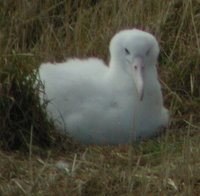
[[35, 160]]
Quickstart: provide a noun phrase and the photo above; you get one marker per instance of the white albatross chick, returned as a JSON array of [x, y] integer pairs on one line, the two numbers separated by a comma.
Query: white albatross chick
[[115, 104]]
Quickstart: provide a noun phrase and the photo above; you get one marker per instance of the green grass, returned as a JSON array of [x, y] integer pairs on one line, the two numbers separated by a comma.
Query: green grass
[[35, 160]]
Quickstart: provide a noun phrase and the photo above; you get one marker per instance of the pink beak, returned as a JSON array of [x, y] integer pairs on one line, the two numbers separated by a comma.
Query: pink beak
[[138, 76]]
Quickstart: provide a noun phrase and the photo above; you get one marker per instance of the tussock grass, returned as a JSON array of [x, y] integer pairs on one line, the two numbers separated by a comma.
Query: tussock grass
[[32, 32]]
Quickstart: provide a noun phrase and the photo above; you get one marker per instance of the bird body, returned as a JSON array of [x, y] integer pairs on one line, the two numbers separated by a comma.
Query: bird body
[[115, 104]]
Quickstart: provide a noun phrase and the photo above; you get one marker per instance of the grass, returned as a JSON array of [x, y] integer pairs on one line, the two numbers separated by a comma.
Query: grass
[[35, 160]]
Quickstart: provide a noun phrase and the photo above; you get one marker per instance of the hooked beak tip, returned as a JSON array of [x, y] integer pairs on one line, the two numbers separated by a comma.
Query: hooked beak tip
[[141, 96]]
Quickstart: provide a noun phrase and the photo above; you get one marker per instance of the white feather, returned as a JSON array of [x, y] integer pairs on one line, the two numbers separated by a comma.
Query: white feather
[[99, 104]]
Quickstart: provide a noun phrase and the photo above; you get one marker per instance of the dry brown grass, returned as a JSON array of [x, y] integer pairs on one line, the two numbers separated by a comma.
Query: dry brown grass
[[32, 32]]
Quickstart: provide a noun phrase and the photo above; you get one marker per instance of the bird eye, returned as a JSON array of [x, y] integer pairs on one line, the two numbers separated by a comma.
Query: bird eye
[[147, 52], [127, 51]]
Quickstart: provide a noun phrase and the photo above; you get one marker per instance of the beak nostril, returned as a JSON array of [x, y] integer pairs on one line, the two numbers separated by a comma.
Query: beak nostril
[[135, 67]]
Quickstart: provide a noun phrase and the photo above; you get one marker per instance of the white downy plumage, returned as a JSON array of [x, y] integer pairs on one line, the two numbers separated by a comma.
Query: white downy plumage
[[115, 104]]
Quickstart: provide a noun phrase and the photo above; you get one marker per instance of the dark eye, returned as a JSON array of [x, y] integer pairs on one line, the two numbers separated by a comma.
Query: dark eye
[[127, 51], [147, 52]]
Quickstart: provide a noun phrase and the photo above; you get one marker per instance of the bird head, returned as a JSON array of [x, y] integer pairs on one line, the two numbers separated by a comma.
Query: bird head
[[136, 53]]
